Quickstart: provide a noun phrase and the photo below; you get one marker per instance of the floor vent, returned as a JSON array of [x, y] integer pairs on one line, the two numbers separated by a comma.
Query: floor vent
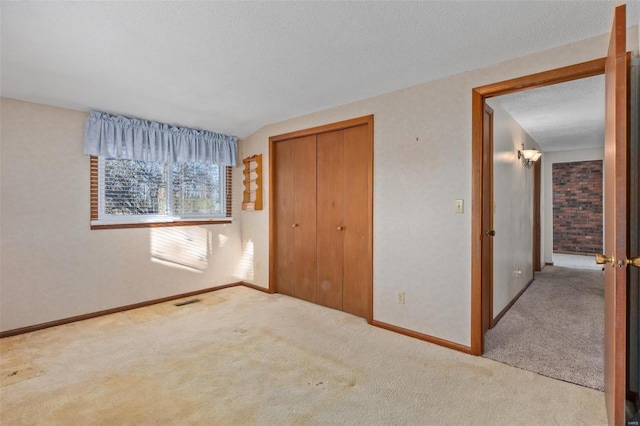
[[187, 302]]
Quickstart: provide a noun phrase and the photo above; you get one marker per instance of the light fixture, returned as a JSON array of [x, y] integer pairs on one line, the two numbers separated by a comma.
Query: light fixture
[[528, 156]]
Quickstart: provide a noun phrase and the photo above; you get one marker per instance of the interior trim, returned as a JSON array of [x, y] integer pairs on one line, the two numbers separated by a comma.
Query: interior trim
[[256, 287], [380, 324], [354, 122], [576, 253], [162, 224], [479, 95], [537, 231], [421, 336], [83, 317], [514, 300]]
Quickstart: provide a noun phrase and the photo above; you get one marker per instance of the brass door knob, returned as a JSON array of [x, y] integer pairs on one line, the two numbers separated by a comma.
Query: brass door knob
[[634, 261], [601, 259]]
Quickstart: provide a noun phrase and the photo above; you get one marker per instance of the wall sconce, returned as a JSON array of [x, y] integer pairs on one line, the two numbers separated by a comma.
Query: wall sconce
[[528, 156]]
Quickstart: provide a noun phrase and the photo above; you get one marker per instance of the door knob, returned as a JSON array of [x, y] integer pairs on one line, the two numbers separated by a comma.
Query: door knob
[[491, 233], [634, 261], [601, 259], [340, 228], [295, 225]]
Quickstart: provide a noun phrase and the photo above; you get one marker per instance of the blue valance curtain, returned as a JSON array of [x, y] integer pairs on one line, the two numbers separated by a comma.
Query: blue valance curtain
[[115, 136]]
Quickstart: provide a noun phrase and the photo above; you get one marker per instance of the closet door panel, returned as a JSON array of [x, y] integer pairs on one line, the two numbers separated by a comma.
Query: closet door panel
[[283, 180], [331, 227], [357, 236], [304, 226]]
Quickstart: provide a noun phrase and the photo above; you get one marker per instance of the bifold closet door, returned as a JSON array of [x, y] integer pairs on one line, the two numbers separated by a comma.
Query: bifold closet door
[[331, 227], [344, 239], [295, 217], [358, 255]]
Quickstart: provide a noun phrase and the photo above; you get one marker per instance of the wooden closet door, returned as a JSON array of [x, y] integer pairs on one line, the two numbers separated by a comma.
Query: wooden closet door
[[294, 178], [304, 226], [321, 215], [283, 185], [331, 226], [357, 233]]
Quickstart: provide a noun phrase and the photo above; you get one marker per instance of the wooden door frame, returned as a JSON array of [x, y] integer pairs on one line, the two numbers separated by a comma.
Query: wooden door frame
[[479, 95], [634, 234], [537, 183], [341, 125], [488, 205]]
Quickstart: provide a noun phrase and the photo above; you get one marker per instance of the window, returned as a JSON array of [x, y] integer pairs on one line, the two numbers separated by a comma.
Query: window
[[145, 173], [132, 193]]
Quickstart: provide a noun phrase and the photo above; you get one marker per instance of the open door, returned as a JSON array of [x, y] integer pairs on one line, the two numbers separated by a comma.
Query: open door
[[487, 220], [615, 226]]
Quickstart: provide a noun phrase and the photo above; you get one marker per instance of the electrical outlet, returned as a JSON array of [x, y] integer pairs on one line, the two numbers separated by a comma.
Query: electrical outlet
[[400, 297]]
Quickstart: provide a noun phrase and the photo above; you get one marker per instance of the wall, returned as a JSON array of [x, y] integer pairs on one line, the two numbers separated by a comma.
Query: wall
[[53, 266], [577, 207], [548, 159], [513, 215], [422, 163]]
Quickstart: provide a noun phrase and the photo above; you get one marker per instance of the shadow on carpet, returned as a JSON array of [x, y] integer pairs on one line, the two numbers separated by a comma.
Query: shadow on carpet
[[556, 328]]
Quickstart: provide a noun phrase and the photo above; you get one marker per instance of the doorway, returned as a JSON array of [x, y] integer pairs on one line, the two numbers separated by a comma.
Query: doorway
[[618, 259], [552, 325], [480, 261]]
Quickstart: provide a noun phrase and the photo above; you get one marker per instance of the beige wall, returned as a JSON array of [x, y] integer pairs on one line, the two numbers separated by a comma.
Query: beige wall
[[52, 265], [513, 216], [422, 163]]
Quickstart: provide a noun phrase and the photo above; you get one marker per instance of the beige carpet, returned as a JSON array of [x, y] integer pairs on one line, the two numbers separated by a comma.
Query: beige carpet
[[556, 328], [243, 357]]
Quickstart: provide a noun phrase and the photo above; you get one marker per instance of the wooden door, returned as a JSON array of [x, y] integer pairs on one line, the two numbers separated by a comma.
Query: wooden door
[[305, 218], [323, 176], [331, 194], [294, 183], [615, 224], [487, 219], [344, 236], [537, 180], [356, 233], [284, 217]]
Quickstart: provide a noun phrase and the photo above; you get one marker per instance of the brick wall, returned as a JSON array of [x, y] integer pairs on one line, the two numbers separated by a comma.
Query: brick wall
[[577, 207]]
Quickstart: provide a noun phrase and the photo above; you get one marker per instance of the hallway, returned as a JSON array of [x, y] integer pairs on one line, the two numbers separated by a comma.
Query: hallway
[[556, 328]]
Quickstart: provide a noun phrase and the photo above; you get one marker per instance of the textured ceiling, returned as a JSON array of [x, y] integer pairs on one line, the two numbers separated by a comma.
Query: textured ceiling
[[563, 116], [233, 67]]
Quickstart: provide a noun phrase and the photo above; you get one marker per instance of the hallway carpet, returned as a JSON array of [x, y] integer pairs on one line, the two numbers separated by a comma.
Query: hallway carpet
[[556, 328], [242, 357]]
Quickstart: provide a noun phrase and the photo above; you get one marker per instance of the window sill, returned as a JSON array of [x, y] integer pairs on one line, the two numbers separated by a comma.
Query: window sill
[[103, 224]]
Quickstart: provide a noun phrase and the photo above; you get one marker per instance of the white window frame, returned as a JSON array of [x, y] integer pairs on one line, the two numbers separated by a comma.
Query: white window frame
[[104, 220]]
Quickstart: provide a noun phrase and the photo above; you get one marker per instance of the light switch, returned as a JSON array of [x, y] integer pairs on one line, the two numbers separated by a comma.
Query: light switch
[[459, 206]]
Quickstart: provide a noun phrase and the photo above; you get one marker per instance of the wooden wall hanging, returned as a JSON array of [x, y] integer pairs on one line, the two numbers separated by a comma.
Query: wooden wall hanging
[[252, 195]]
